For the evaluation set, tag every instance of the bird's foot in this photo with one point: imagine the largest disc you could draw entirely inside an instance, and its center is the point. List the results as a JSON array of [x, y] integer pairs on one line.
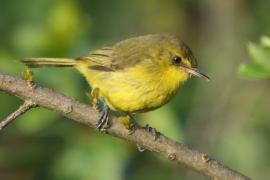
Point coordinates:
[[129, 122], [153, 131], [104, 121]]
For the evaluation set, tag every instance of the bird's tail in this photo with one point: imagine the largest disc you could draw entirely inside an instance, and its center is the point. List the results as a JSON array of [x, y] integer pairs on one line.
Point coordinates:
[[48, 62]]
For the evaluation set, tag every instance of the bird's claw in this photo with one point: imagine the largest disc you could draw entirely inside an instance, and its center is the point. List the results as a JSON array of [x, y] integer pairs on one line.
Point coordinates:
[[104, 121], [153, 131], [129, 122]]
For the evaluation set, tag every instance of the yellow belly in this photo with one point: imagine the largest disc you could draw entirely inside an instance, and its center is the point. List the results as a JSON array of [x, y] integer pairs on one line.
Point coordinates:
[[134, 96], [132, 90]]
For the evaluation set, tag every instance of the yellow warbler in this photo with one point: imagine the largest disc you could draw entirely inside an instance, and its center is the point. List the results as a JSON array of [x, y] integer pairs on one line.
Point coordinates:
[[135, 75]]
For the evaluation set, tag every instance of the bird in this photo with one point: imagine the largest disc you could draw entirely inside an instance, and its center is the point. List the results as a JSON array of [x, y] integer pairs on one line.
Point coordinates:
[[132, 76]]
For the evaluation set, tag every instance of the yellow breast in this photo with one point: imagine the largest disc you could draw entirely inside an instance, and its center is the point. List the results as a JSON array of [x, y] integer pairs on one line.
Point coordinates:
[[136, 89]]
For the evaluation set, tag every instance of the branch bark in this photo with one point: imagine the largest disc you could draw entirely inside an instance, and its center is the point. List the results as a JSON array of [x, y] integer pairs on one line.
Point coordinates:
[[87, 115]]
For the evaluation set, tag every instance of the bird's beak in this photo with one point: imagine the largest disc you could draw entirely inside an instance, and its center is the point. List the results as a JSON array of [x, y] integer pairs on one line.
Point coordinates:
[[197, 72]]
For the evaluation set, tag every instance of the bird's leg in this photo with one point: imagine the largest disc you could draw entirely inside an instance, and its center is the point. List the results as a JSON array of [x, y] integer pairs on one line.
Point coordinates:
[[104, 121], [94, 97], [152, 131], [129, 122]]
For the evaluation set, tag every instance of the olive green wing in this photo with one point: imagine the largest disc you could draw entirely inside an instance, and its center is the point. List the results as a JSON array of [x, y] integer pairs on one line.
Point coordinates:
[[122, 55], [100, 59]]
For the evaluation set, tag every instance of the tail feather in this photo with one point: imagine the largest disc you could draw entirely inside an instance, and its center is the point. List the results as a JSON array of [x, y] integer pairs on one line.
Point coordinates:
[[48, 62]]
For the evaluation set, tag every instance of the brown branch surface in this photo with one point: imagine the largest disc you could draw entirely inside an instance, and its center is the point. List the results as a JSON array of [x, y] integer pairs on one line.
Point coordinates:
[[87, 115]]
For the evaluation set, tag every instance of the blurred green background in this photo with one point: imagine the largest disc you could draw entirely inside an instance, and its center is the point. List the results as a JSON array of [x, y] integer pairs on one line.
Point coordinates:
[[228, 117]]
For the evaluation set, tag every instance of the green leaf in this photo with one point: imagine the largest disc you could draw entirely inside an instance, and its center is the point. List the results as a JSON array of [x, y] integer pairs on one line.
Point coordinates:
[[253, 70], [260, 55]]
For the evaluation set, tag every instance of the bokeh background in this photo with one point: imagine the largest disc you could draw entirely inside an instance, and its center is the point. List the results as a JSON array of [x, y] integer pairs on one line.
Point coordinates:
[[227, 117]]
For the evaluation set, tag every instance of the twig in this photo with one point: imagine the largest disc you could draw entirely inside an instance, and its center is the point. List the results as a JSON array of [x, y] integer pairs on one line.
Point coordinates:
[[27, 105], [85, 114]]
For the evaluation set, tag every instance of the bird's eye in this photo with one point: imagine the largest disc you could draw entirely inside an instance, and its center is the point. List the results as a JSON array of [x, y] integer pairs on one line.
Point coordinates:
[[176, 60]]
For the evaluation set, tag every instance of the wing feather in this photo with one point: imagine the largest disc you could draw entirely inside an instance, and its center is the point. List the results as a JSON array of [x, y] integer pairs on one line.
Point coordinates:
[[124, 54]]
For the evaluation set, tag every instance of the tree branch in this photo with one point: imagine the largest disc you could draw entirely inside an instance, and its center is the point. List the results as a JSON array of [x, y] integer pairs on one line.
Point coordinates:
[[87, 115], [27, 105]]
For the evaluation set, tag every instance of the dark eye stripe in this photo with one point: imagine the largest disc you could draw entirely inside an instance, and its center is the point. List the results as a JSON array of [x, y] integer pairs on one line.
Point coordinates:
[[176, 60]]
